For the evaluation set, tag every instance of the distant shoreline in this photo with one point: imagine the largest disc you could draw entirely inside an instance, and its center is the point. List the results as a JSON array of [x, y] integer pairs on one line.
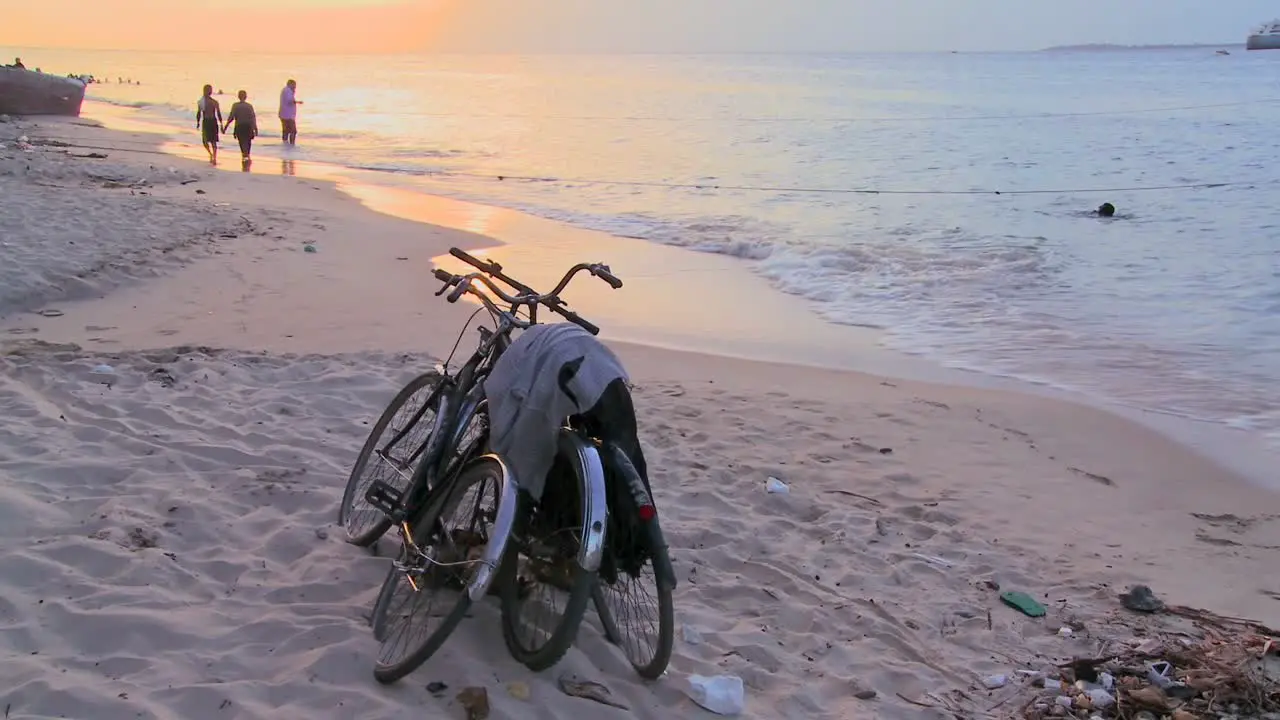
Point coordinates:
[[1095, 47]]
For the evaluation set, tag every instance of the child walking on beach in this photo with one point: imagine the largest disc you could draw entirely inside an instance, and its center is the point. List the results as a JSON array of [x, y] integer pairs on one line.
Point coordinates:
[[246, 125], [208, 118]]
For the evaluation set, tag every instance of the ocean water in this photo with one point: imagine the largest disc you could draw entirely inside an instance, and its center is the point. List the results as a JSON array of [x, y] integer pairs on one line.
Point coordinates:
[[1171, 306]]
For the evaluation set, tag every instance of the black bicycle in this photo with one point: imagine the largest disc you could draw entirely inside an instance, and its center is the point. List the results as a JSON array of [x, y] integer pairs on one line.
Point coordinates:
[[594, 535]]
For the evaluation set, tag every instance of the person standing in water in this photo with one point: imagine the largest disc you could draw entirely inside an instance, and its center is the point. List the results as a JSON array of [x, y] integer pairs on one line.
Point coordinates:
[[246, 125], [289, 103], [208, 120]]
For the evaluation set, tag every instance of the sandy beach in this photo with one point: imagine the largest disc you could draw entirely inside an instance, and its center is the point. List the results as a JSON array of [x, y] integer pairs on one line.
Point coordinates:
[[167, 522]]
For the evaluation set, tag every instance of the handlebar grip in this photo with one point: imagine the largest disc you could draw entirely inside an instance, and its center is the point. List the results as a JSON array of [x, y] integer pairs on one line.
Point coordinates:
[[578, 320], [470, 259], [459, 291], [613, 280], [443, 275]]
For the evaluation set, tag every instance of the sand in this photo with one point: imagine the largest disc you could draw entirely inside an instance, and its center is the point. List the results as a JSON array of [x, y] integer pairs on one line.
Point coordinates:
[[169, 547]]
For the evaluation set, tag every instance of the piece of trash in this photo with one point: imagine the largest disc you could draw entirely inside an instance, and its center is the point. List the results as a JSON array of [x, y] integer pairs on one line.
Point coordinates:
[[777, 487], [322, 534], [1158, 673], [103, 370], [518, 690], [1023, 602], [435, 688], [1052, 684], [200, 192], [995, 682], [1064, 701], [475, 700], [1107, 680], [1141, 599], [50, 312], [1100, 699], [594, 691], [886, 451], [173, 171], [1065, 631], [933, 560], [309, 248], [721, 694], [23, 139], [867, 694], [222, 204], [691, 634], [1147, 697], [1150, 648]]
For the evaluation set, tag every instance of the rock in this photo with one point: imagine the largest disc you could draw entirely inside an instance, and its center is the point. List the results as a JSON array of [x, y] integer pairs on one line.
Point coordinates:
[[865, 694], [475, 700], [1184, 715], [1141, 599]]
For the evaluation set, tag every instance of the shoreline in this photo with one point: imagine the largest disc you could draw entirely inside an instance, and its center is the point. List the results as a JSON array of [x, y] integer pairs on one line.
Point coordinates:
[[200, 484], [781, 328]]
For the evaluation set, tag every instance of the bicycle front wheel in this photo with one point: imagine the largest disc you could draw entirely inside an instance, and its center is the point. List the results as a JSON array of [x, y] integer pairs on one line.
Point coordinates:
[[425, 595], [389, 455]]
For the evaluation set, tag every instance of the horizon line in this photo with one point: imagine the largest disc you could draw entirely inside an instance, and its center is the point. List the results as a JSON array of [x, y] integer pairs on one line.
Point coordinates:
[[1082, 46]]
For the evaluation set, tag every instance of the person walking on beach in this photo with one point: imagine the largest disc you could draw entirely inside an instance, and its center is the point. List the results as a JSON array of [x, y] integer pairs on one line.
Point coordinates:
[[208, 119], [289, 103], [246, 125]]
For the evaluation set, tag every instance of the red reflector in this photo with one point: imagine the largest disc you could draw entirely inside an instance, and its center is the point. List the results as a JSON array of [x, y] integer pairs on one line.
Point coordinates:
[[648, 512]]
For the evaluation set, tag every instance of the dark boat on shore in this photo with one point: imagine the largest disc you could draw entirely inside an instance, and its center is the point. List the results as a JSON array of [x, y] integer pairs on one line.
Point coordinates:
[[24, 92]]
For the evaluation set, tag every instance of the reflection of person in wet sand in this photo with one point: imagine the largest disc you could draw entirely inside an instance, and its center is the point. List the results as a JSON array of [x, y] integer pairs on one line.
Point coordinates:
[[288, 168], [246, 125], [208, 119]]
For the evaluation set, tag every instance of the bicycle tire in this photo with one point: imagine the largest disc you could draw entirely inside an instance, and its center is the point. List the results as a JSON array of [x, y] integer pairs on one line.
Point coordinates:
[[665, 645], [385, 671], [624, 505], [353, 495], [539, 658]]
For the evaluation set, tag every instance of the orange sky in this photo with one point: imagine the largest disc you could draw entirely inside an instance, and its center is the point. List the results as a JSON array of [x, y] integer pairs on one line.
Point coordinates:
[[258, 25]]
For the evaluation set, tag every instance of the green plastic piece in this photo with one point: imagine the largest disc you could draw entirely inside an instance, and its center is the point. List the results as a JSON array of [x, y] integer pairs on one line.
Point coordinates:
[[1022, 602]]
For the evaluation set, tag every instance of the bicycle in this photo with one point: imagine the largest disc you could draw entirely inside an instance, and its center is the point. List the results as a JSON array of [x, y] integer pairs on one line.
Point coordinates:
[[445, 466]]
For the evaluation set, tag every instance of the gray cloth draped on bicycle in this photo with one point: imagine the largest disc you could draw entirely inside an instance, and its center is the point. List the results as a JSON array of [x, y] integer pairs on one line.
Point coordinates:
[[549, 373]]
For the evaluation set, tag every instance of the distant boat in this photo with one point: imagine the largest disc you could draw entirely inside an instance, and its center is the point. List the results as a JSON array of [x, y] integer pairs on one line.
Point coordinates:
[[1266, 37], [25, 92]]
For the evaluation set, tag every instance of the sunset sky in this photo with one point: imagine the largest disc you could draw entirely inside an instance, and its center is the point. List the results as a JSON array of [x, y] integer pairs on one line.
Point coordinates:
[[618, 25]]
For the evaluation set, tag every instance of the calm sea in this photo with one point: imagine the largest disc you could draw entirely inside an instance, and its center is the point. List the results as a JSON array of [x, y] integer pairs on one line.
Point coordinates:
[[1173, 305]]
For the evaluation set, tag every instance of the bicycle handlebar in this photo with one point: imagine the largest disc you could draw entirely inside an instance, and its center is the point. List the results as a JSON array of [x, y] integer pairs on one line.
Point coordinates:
[[527, 295]]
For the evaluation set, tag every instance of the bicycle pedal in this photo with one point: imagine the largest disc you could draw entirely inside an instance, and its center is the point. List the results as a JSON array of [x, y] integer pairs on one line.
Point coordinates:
[[384, 496]]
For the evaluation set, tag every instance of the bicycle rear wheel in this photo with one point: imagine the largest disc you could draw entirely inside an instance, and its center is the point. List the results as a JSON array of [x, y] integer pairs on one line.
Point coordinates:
[[389, 455], [545, 590], [427, 590], [633, 596]]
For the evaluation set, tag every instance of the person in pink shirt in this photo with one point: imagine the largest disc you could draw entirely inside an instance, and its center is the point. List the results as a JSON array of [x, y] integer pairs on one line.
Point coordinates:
[[289, 113]]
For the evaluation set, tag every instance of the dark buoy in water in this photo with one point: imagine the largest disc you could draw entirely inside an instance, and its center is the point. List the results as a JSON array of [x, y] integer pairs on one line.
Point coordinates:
[[1106, 210]]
